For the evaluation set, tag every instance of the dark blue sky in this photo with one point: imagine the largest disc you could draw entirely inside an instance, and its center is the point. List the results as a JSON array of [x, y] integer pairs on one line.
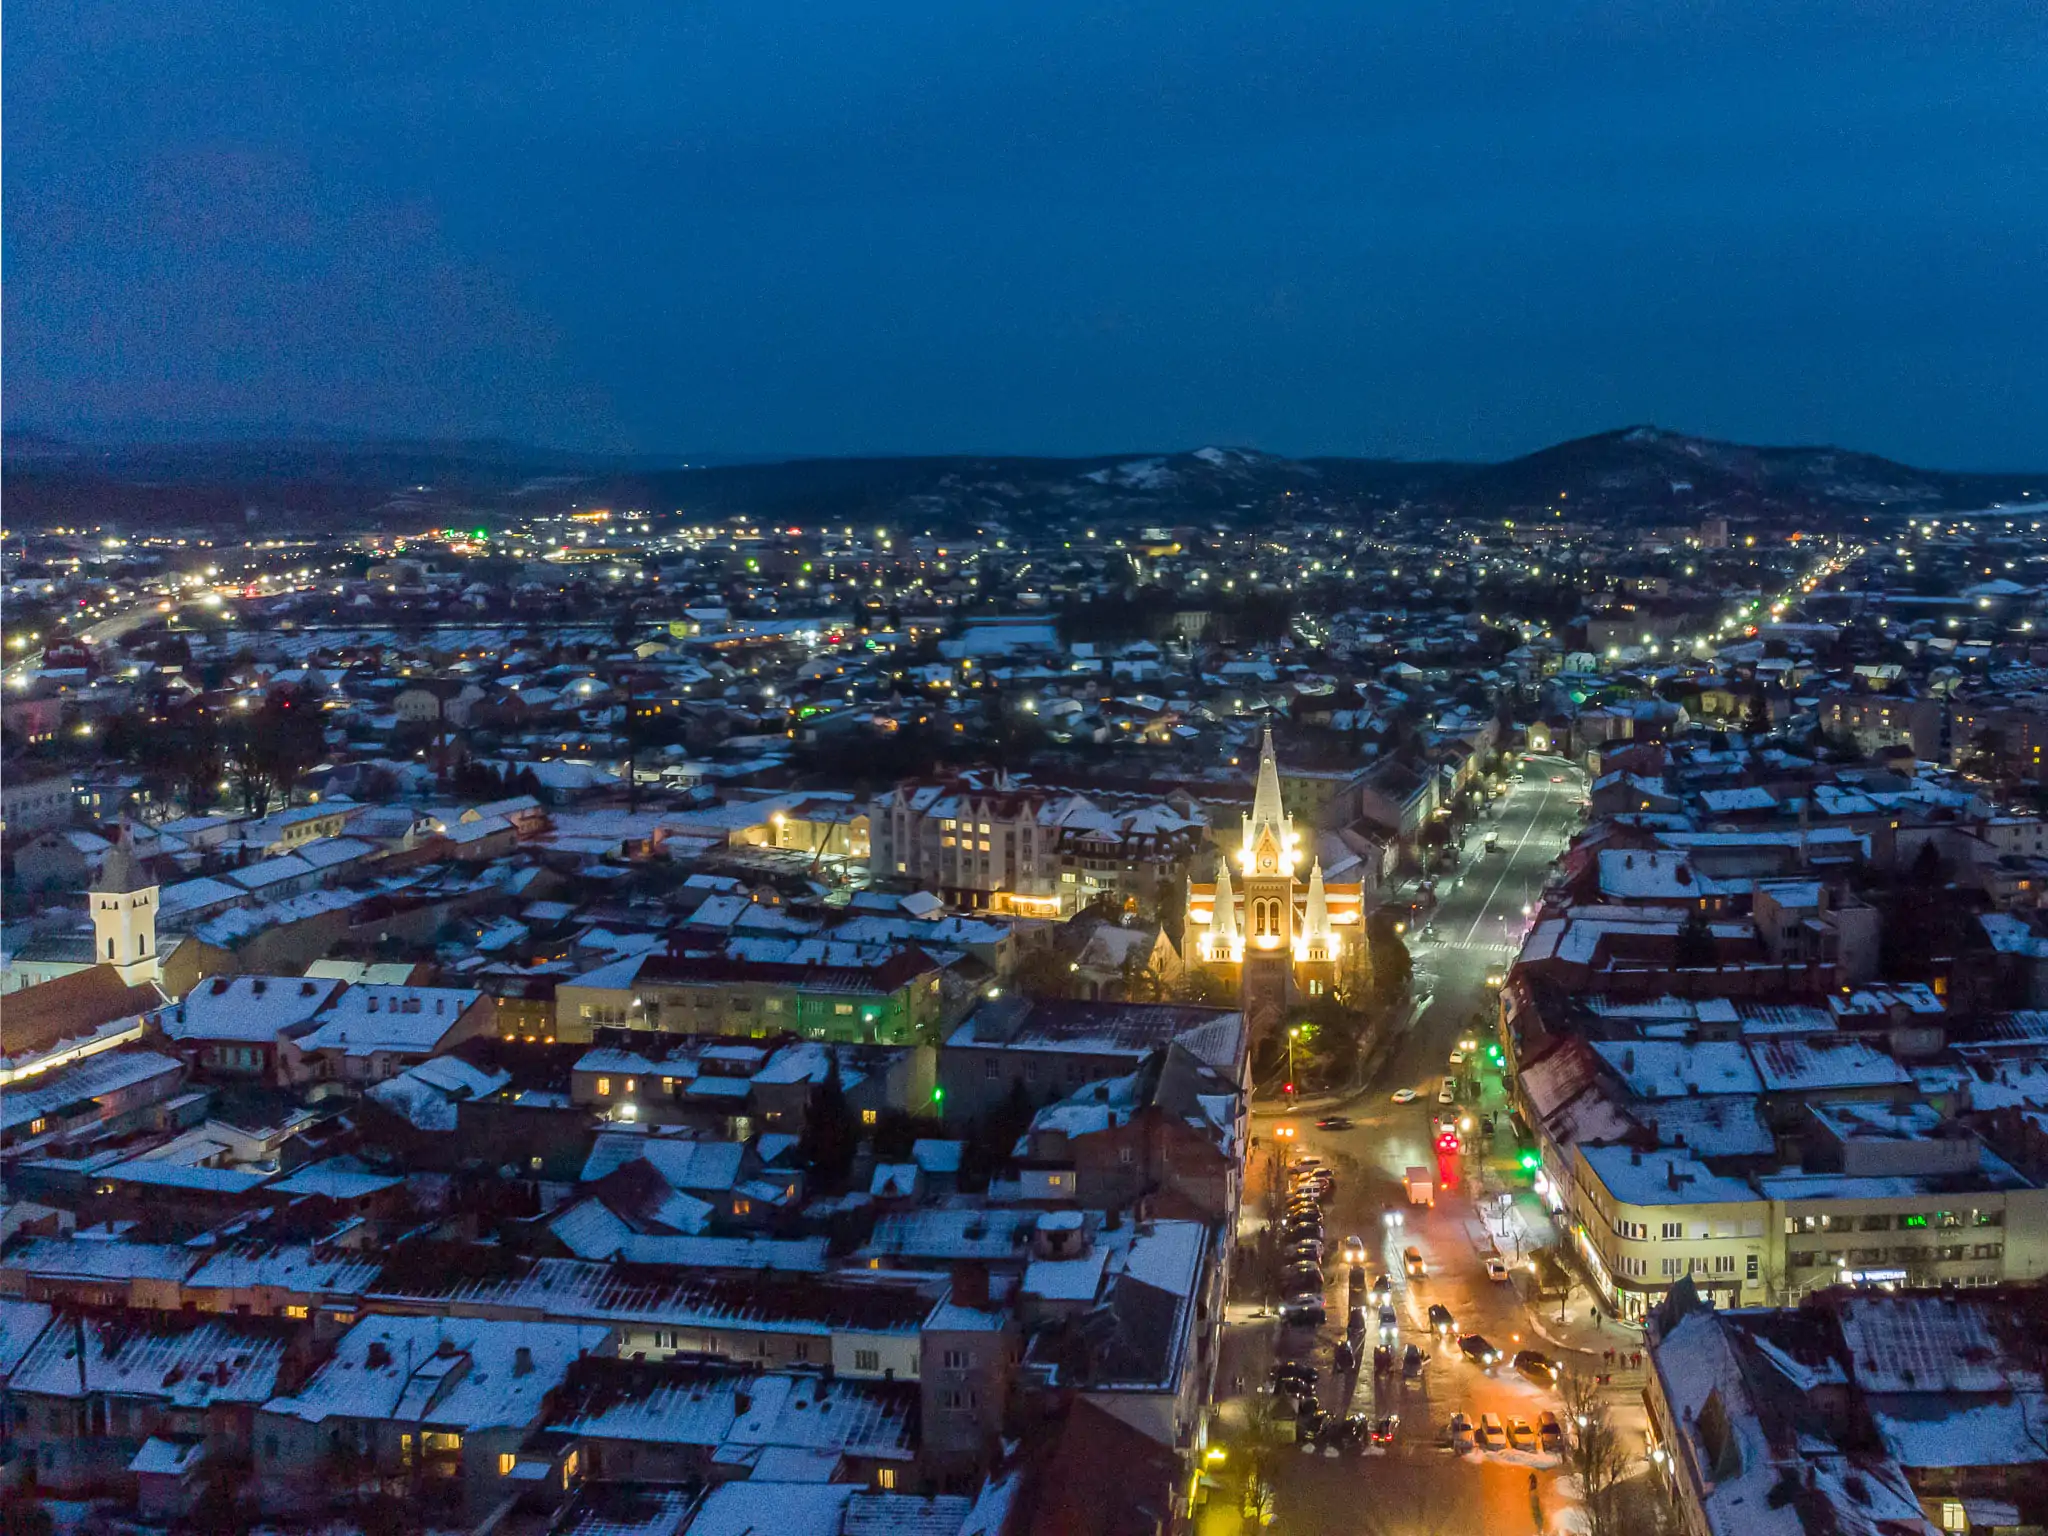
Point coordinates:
[[1441, 227]]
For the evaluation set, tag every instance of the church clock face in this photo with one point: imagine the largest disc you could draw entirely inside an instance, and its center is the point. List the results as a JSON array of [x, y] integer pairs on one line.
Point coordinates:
[[1267, 864]]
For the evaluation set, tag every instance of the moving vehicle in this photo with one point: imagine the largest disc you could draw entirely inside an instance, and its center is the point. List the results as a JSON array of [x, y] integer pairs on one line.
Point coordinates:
[[1475, 1348], [1421, 1186], [1492, 842], [1353, 1250], [1460, 1429], [1345, 1359], [1411, 1259], [1354, 1326], [1382, 1360], [1384, 1428], [1354, 1434], [1537, 1366], [1383, 1289], [1355, 1285], [1404, 1095], [1334, 1123], [1457, 1058], [1496, 1270], [1492, 1436], [1411, 1363], [1309, 1425], [1441, 1320], [1520, 1436], [1549, 1433], [1557, 778], [1447, 1092], [1390, 1324]]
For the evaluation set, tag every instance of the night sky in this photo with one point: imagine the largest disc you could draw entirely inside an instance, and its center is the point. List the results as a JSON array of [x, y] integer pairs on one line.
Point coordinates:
[[1436, 228]]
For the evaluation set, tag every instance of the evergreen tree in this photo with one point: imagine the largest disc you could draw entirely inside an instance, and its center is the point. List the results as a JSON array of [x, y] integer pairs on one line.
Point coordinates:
[[1695, 948], [830, 1136]]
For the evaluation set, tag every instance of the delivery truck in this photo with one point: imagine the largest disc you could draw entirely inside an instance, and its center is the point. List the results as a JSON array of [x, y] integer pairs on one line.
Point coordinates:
[[1421, 1187]]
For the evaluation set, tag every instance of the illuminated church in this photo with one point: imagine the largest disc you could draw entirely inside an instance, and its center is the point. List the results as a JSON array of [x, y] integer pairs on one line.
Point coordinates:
[[1261, 925]]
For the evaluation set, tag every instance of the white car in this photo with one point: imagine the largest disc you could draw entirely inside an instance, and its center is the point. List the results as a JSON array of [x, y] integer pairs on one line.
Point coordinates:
[[1496, 1271], [1457, 1058], [1404, 1095]]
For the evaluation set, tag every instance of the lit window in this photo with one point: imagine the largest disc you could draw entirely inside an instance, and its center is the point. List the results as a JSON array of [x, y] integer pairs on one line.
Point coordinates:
[[604, 1087], [885, 1479], [507, 1460], [868, 1117], [842, 1008]]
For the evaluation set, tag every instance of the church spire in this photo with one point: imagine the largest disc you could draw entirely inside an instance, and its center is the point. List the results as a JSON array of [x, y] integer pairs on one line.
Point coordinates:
[[1269, 846], [1266, 797]]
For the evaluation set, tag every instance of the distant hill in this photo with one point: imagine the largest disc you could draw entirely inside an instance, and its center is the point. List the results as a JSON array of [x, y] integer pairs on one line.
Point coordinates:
[[1636, 474]]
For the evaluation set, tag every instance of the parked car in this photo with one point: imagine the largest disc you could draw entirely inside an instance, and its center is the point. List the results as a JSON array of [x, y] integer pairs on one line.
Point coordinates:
[[1303, 1312], [1308, 1425], [1354, 1324], [1302, 1280], [1497, 1271], [1460, 1429], [1304, 1253], [1520, 1436], [1441, 1320], [1476, 1349], [1550, 1433], [1537, 1366], [1492, 1436], [1412, 1259], [1295, 1371]]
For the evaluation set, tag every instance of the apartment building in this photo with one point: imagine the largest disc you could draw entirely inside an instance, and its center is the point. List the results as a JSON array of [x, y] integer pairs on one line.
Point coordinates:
[[890, 997]]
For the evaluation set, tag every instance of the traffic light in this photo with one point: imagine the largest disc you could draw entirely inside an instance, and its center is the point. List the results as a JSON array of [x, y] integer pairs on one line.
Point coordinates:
[[1529, 1160], [1287, 1088]]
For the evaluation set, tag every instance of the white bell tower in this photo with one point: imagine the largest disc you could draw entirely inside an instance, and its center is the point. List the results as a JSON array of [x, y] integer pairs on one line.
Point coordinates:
[[124, 916]]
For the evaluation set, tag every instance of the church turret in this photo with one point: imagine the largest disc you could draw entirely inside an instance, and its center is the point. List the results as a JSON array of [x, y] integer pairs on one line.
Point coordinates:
[[1317, 942], [123, 902], [1223, 940]]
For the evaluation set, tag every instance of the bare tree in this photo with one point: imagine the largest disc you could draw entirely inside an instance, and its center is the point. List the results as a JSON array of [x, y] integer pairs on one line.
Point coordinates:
[[1594, 1452]]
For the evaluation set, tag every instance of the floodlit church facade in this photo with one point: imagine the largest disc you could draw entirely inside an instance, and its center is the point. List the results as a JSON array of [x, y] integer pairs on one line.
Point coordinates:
[[1276, 931]]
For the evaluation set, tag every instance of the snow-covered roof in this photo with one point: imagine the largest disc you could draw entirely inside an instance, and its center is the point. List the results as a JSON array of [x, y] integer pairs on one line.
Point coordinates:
[[454, 1373]]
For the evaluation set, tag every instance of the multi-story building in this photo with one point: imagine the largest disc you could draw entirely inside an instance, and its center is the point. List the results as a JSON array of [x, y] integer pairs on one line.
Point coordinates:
[[1030, 852], [889, 997]]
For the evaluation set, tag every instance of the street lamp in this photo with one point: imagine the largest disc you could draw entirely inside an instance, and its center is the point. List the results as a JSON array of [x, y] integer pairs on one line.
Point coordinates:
[[1293, 1034]]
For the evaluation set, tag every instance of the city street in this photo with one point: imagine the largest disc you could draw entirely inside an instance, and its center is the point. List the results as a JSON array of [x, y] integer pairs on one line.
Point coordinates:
[[1421, 1488]]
